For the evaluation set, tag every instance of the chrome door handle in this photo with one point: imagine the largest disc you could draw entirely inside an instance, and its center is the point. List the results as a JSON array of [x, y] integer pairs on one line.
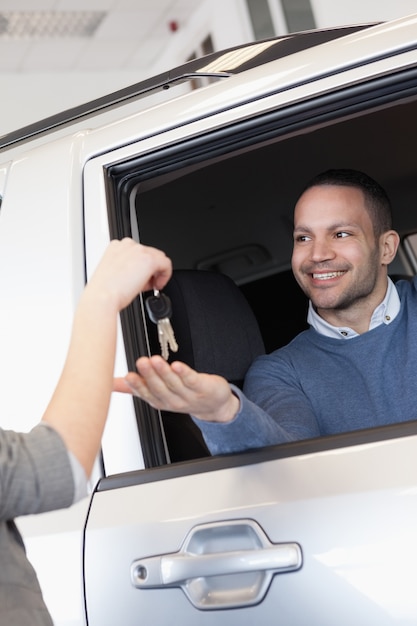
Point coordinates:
[[173, 569], [215, 578]]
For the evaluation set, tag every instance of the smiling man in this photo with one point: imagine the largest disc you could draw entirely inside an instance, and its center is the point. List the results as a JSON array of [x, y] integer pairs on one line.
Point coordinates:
[[343, 243], [354, 366]]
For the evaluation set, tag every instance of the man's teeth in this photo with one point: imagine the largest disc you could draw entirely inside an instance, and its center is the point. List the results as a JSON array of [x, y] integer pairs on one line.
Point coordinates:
[[327, 276]]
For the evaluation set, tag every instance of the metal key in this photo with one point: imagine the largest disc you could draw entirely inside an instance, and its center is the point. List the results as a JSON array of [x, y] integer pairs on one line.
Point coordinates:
[[160, 310]]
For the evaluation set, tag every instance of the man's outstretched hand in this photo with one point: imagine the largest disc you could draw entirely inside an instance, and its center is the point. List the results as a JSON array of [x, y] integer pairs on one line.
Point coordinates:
[[179, 388]]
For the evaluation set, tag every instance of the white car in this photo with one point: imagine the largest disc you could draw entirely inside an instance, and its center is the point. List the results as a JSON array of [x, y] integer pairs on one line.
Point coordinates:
[[318, 532]]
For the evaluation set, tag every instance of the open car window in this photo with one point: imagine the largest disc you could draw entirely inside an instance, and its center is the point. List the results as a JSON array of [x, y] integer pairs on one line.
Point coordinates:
[[223, 201]]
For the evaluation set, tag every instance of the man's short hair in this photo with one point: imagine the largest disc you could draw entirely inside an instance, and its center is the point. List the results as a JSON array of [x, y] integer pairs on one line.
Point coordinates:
[[377, 201]]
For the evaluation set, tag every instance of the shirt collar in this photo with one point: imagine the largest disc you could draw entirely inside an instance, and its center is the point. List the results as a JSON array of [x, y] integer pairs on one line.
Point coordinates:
[[384, 313]]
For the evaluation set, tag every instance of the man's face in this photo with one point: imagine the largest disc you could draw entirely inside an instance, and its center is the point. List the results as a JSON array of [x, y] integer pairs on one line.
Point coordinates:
[[335, 260]]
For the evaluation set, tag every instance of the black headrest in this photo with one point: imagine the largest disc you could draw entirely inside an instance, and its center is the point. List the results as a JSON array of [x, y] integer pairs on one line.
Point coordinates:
[[215, 327]]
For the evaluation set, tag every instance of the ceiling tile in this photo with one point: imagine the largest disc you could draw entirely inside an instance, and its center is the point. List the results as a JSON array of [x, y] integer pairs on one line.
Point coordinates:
[[47, 56], [133, 34], [12, 53], [104, 55], [126, 25]]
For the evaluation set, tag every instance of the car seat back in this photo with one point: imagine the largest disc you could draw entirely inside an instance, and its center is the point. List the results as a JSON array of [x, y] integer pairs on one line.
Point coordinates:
[[215, 327]]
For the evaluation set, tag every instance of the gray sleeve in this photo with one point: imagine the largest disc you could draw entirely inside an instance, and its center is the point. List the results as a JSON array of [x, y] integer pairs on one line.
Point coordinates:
[[35, 472]]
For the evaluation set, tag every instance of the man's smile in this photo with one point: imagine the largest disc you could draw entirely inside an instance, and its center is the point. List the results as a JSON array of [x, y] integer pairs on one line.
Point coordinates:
[[326, 275]]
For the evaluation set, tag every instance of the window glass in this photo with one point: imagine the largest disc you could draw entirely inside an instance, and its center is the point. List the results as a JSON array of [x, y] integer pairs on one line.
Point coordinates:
[[298, 14], [261, 19], [410, 245], [206, 47]]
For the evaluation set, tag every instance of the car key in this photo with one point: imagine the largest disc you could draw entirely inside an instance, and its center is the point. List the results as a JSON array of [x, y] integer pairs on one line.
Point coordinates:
[[160, 310]]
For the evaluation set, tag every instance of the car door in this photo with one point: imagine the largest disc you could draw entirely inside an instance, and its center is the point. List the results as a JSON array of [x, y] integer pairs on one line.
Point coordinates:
[[316, 532], [296, 535]]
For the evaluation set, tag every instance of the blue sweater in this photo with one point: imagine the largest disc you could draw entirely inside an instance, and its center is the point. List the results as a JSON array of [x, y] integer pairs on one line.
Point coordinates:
[[317, 385]]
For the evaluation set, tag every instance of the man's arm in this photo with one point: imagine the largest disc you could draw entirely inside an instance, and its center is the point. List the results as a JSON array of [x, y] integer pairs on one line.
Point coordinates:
[[228, 420], [273, 411]]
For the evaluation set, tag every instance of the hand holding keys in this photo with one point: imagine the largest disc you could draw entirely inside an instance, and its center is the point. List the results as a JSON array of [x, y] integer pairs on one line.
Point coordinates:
[[159, 310]]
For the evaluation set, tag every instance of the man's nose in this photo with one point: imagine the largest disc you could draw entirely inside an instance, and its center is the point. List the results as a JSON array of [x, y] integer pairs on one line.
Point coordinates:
[[321, 250]]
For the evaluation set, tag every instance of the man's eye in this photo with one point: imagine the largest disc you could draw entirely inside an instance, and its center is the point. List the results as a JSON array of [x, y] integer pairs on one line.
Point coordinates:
[[342, 234], [302, 238]]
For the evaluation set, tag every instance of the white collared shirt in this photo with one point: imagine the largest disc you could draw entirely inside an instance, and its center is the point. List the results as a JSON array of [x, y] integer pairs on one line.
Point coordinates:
[[383, 314]]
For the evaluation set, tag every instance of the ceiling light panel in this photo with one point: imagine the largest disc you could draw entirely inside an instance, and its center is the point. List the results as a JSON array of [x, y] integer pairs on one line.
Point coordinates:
[[49, 24]]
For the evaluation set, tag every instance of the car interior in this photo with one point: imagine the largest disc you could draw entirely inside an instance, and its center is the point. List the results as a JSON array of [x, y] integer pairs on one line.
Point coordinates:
[[222, 204]]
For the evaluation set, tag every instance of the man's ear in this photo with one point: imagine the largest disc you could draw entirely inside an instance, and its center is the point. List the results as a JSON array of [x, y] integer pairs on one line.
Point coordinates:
[[389, 245]]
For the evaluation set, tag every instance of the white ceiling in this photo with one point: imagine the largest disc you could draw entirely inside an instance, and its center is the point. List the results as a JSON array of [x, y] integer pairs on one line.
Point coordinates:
[[131, 35]]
